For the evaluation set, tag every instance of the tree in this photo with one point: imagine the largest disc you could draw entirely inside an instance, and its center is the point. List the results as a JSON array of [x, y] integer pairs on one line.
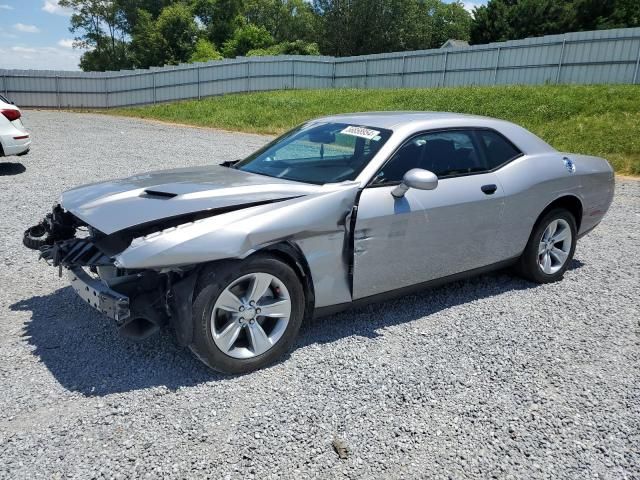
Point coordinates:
[[146, 44], [298, 47], [357, 27], [100, 29], [204, 52], [244, 39], [285, 20], [502, 20], [602, 14], [450, 20], [168, 40], [178, 33], [133, 9], [220, 18]]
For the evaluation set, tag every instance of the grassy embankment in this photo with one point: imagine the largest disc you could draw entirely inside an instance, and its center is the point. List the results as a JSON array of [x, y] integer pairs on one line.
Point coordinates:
[[596, 120]]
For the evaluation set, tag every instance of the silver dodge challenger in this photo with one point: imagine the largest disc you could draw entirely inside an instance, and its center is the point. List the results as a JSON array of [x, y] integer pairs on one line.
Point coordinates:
[[340, 211]]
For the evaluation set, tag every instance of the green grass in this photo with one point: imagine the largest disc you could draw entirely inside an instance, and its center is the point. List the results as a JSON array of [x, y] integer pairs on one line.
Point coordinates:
[[596, 120]]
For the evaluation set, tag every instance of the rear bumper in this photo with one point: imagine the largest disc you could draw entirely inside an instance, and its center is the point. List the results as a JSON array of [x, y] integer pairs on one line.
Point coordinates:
[[99, 296], [13, 146]]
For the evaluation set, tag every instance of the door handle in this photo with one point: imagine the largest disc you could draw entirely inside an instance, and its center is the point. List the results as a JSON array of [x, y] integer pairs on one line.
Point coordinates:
[[489, 189]]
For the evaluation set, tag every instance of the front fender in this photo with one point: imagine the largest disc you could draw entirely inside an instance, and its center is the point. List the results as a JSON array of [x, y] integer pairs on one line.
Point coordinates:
[[240, 233]]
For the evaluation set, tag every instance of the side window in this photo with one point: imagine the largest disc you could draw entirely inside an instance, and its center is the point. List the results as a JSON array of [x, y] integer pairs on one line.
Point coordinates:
[[497, 149], [444, 153]]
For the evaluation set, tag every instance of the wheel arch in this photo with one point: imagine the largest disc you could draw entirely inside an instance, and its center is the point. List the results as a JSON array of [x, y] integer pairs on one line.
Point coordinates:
[[289, 253], [571, 203]]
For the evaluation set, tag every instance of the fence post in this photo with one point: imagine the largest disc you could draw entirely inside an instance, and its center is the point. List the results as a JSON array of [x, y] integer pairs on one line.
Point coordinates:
[[293, 74], [153, 78], [564, 42], [404, 63], [248, 76], [635, 73], [58, 91], [366, 73], [106, 91], [444, 72], [333, 75], [4, 84], [198, 70], [495, 70]]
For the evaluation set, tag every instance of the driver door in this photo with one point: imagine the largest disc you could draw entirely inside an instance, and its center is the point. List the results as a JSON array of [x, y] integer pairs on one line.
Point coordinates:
[[428, 234]]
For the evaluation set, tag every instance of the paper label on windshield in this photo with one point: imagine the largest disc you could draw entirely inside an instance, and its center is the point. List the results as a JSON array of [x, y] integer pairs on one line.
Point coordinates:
[[360, 132]]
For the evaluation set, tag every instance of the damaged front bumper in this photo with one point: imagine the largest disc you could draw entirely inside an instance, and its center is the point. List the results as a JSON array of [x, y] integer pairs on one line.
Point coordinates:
[[139, 301], [93, 291]]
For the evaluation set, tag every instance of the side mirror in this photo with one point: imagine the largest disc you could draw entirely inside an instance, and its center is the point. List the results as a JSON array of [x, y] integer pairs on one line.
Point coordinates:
[[416, 178]]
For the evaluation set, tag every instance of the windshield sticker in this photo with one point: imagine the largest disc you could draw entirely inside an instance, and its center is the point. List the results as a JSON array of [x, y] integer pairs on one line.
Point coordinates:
[[361, 132]]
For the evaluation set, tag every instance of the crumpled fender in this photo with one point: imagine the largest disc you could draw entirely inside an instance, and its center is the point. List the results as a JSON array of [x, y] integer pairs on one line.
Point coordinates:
[[238, 234]]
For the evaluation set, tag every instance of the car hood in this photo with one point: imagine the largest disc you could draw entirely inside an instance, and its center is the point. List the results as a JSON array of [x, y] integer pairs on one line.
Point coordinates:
[[119, 204]]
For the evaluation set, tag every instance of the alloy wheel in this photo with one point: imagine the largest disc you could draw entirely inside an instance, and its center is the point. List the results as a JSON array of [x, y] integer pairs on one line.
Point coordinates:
[[250, 315], [555, 246]]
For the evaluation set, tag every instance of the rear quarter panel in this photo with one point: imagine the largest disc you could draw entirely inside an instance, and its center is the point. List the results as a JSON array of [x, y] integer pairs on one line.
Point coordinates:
[[531, 183]]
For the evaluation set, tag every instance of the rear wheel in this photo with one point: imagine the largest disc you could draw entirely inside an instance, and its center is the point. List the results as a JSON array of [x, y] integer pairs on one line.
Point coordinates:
[[550, 247], [246, 314]]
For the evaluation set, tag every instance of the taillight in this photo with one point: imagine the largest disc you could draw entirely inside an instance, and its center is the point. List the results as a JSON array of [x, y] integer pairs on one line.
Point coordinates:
[[11, 114]]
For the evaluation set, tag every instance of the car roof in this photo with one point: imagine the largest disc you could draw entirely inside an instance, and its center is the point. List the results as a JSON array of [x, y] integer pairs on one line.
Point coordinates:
[[412, 122], [392, 120]]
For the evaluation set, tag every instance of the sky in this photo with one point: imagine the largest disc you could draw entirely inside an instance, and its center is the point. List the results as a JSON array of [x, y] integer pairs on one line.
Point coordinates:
[[34, 34]]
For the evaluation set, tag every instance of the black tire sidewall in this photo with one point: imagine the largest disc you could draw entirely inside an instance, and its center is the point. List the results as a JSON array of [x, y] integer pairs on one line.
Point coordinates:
[[212, 282], [34, 242], [529, 266]]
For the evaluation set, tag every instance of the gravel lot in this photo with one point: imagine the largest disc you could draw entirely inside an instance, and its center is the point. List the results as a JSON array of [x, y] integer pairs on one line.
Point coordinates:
[[491, 377]]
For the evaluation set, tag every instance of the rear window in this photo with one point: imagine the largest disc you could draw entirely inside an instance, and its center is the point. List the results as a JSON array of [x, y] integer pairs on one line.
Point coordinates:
[[498, 149]]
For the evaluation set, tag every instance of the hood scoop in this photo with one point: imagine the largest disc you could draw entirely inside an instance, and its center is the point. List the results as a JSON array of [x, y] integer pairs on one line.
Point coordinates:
[[158, 194]]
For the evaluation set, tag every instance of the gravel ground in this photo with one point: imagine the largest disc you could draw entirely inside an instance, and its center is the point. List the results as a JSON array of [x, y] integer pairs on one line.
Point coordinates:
[[491, 377]]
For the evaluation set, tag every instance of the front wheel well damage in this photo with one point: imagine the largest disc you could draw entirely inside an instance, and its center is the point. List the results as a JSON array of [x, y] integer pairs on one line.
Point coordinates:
[[291, 254], [182, 291]]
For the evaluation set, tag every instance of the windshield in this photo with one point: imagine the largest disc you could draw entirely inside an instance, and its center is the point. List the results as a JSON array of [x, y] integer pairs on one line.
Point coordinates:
[[318, 153]]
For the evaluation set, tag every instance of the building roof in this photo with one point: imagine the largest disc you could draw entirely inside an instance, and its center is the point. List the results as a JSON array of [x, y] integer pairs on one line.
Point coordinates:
[[453, 43]]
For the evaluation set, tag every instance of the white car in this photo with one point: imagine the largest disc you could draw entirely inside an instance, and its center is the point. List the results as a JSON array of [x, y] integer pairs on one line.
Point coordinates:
[[14, 137]]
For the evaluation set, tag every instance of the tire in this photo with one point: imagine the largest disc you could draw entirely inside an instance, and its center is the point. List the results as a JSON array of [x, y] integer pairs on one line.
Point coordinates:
[[35, 237], [253, 327], [532, 264]]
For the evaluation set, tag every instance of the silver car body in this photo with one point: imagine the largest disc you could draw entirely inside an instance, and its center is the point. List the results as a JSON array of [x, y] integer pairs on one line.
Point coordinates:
[[358, 241]]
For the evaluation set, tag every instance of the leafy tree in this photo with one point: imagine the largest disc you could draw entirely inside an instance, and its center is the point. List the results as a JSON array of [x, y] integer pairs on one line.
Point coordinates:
[[244, 39], [167, 40], [178, 33], [285, 20], [133, 9], [146, 44], [356, 27], [143, 33], [602, 14], [298, 47], [501, 20], [450, 20], [204, 52], [220, 18], [100, 28]]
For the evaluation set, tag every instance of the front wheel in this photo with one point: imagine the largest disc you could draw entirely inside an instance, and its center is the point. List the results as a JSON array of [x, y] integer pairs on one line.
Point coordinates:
[[550, 247], [246, 314]]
